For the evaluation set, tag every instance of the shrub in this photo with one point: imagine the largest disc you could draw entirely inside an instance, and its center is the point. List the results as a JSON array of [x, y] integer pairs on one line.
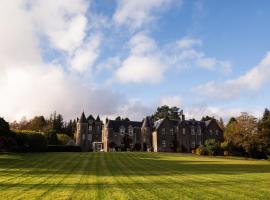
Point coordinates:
[[201, 150], [63, 139], [7, 143], [212, 146], [30, 141]]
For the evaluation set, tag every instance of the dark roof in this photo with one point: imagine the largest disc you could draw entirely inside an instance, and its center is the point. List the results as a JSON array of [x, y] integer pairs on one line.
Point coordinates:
[[158, 123], [147, 122], [90, 117], [83, 118], [116, 124], [98, 119]]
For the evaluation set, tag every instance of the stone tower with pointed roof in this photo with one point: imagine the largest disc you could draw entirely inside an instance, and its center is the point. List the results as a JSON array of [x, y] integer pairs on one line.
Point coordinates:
[[82, 133], [146, 134]]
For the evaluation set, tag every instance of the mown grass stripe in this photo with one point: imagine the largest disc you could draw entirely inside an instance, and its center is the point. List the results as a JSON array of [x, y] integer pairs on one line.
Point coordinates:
[[78, 192], [52, 175], [34, 177]]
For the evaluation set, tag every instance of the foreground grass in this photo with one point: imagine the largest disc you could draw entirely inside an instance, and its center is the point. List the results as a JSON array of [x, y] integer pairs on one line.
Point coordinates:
[[131, 176]]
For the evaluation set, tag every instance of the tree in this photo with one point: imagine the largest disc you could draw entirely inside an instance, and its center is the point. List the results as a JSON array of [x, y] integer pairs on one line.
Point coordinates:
[[38, 123], [4, 126], [266, 115], [244, 136], [212, 146], [118, 118], [206, 118], [166, 111]]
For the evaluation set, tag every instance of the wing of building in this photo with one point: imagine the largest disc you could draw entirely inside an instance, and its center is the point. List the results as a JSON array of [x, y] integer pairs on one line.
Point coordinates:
[[164, 135]]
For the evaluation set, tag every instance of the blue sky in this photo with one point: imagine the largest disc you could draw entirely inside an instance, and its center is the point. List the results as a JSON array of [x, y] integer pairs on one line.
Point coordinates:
[[126, 57]]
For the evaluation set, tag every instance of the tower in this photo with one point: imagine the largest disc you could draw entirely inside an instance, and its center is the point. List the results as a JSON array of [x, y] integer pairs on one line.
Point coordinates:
[[146, 131], [82, 133]]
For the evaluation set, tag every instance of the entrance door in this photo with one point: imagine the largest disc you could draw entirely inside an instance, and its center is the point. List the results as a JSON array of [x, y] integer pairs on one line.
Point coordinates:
[[144, 147]]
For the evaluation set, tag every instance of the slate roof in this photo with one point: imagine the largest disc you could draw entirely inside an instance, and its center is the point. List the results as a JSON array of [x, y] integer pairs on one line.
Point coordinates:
[[116, 124], [90, 117], [83, 118], [98, 119], [158, 123]]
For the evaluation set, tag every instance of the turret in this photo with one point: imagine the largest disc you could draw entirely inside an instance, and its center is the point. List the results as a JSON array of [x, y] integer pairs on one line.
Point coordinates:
[[82, 133]]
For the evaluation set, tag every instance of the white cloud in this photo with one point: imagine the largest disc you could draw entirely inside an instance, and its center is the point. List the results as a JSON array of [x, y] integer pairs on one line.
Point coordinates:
[[184, 54], [187, 43], [86, 55], [250, 81], [136, 13], [30, 86], [62, 21], [171, 101], [144, 64]]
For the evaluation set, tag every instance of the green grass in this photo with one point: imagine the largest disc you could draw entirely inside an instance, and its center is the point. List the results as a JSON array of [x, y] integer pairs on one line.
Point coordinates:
[[131, 176]]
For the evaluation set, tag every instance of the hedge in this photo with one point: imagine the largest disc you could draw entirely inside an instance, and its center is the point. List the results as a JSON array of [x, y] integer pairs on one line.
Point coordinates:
[[63, 148]]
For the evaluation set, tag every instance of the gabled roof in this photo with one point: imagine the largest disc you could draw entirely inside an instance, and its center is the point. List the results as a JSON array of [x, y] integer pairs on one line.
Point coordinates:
[[83, 118], [98, 119], [158, 123], [90, 117], [116, 124], [147, 122]]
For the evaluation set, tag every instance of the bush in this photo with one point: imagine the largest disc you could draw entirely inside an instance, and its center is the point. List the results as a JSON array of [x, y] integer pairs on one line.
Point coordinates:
[[212, 147], [63, 139], [7, 144], [30, 141], [201, 150], [63, 148]]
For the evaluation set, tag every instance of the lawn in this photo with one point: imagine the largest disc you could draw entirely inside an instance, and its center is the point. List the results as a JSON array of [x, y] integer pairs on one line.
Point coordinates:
[[131, 176]]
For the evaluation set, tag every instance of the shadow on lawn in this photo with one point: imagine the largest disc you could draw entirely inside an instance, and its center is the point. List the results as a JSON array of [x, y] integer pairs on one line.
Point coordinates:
[[142, 164]]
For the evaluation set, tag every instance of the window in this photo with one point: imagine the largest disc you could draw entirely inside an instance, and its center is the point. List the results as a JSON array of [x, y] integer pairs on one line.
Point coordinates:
[[171, 131], [210, 131], [200, 143], [122, 130], [83, 137], [89, 137], [192, 130], [199, 130], [163, 131], [184, 131], [97, 128], [217, 132], [130, 130], [164, 143], [193, 144], [90, 128]]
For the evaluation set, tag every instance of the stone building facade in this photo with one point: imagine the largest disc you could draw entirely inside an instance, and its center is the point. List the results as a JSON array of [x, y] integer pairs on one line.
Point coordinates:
[[164, 135], [89, 133]]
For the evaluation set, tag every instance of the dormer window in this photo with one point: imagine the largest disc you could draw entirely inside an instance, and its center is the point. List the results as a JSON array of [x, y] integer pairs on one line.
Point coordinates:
[[130, 130], [90, 128], [122, 130]]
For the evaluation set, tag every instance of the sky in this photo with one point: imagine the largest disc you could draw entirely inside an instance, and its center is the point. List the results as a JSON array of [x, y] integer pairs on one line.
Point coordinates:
[[126, 57]]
